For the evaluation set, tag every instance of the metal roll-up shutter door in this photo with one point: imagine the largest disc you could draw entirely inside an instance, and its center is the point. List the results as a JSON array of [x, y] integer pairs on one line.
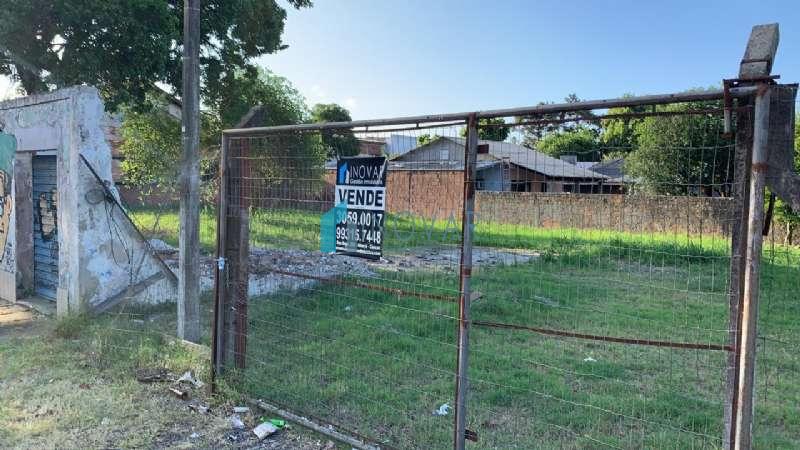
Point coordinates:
[[45, 226]]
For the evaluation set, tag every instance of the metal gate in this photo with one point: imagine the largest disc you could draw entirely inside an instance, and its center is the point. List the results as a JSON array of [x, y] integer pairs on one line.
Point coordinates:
[[45, 226]]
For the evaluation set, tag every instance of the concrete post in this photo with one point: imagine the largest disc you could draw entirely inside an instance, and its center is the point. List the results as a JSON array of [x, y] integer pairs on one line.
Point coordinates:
[[189, 240]]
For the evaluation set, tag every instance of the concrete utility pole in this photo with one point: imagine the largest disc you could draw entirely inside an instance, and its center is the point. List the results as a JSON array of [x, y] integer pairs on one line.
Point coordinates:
[[189, 277]]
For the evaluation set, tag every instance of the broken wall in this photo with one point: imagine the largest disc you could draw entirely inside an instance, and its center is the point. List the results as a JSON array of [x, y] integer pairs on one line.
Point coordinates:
[[93, 230]]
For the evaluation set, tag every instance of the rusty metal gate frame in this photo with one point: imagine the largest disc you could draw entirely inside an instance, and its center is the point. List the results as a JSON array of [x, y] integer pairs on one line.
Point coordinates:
[[229, 337]]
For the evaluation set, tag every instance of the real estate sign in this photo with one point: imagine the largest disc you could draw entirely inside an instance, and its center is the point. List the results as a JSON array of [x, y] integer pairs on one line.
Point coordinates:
[[361, 192]]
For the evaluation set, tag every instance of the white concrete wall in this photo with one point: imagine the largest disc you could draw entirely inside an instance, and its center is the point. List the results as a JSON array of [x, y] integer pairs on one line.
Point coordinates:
[[71, 122]]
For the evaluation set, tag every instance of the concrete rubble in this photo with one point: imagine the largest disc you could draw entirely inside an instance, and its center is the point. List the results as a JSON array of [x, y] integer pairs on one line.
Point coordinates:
[[315, 265]]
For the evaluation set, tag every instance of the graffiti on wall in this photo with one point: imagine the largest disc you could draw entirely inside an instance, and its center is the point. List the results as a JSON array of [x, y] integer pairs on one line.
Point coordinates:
[[47, 214], [8, 148]]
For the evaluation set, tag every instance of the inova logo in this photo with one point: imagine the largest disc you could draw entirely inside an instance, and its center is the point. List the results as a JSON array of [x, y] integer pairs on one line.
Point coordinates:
[[342, 176]]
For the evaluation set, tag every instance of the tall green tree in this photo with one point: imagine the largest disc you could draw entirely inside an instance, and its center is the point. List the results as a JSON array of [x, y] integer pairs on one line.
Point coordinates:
[[340, 142], [581, 141], [488, 130], [124, 46], [152, 141], [552, 122], [682, 154], [618, 135], [784, 214]]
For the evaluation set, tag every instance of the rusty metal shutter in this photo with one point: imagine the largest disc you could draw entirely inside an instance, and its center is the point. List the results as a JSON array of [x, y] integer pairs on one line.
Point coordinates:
[[45, 226]]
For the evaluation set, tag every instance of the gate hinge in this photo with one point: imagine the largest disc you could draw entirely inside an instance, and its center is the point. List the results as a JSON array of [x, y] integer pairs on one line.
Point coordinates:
[[471, 435]]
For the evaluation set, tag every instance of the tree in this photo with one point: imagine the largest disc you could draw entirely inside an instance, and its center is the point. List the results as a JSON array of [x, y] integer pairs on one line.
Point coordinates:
[[489, 131], [282, 103], [426, 138], [152, 140], [784, 214], [581, 141], [566, 121], [125, 46], [618, 135], [683, 154], [340, 142]]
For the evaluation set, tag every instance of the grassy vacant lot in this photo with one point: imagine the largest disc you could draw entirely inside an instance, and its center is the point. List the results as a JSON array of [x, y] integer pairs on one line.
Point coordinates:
[[381, 363], [72, 385]]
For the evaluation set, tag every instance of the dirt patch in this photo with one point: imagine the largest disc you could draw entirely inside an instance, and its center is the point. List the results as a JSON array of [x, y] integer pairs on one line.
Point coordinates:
[[16, 320], [271, 269], [448, 258]]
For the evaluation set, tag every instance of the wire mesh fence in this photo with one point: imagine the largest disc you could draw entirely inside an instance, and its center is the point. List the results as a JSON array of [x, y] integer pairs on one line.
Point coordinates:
[[598, 290], [777, 392], [137, 322], [366, 344], [612, 309]]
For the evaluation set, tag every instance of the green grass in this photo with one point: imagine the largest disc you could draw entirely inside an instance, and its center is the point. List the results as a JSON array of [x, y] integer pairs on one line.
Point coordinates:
[[381, 363], [71, 384], [300, 229]]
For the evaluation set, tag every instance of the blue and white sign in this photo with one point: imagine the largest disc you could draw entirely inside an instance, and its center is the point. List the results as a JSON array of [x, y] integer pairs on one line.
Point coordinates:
[[361, 189]]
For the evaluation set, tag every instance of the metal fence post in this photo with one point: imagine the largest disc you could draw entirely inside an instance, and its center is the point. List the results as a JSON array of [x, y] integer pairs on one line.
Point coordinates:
[[239, 256], [743, 433], [467, 226], [741, 195], [220, 275]]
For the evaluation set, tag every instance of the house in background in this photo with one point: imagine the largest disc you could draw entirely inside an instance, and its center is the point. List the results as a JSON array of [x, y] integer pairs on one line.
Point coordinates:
[[371, 147], [503, 166], [392, 146], [614, 169]]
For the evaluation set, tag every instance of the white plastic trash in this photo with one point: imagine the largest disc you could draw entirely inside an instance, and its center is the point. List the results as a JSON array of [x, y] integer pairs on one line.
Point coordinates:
[[264, 430], [442, 411]]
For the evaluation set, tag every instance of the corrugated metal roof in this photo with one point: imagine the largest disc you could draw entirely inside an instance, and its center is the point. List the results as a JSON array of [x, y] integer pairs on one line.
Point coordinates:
[[533, 160], [614, 169], [513, 153]]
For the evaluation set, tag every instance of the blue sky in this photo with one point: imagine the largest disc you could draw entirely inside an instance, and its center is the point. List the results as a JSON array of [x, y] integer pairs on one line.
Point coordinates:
[[384, 58]]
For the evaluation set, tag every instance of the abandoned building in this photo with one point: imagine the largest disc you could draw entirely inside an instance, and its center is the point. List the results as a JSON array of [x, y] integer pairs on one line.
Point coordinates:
[[65, 234], [504, 166]]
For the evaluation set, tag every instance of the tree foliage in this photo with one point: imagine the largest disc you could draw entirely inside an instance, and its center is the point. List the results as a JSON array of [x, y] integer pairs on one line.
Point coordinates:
[[489, 131], [783, 212], [426, 138], [124, 46], [152, 139], [683, 154], [282, 103], [581, 141], [564, 121], [339, 142], [619, 135]]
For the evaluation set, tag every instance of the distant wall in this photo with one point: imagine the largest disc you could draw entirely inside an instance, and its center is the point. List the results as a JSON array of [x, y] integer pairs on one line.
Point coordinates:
[[439, 194], [631, 213], [634, 213], [427, 193]]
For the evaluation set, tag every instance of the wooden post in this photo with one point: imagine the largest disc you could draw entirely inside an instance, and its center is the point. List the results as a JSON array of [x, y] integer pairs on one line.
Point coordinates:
[[240, 258], [235, 280], [189, 239], [218, 346]]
